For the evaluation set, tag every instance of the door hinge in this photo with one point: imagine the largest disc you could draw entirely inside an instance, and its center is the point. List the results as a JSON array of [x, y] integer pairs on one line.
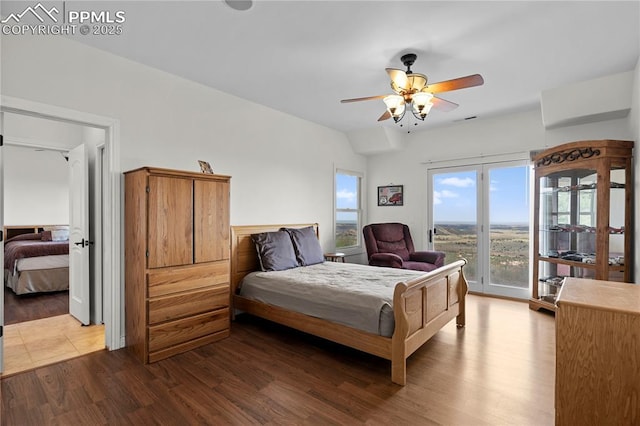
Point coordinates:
[[1, 331], [147, 253], [1, 140], [148, 190], [1, 236]]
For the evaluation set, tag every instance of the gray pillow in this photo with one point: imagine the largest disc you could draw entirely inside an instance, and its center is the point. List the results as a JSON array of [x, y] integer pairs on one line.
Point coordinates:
[[275, 251], [306, 245]]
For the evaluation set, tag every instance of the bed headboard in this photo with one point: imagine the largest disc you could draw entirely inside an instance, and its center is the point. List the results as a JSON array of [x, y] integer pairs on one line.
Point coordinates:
[[244, 258], [13, 230]]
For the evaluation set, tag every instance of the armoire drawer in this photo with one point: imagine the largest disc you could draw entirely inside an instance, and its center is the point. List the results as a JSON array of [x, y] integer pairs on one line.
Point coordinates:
[[167, 334], [189, 303], [172, 280]]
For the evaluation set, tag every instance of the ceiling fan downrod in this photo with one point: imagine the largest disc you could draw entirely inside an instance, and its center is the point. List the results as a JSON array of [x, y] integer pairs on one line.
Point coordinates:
[[408, 60]]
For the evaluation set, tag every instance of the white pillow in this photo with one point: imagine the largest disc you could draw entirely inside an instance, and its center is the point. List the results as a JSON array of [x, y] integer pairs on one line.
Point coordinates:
[[59, 234]]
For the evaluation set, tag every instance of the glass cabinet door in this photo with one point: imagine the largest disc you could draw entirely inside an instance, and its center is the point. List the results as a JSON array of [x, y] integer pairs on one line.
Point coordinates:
[[617, 231], [567, 229]]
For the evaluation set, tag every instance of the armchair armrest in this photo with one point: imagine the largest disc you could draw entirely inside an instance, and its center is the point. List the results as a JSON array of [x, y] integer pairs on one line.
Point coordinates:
[[433, 257], [389, 260]]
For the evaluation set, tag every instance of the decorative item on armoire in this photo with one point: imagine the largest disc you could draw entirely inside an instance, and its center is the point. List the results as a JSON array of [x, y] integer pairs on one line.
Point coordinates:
[[205, 167]]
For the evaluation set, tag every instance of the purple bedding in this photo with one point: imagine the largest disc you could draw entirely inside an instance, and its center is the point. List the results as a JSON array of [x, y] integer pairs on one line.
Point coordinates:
[[33, 246]]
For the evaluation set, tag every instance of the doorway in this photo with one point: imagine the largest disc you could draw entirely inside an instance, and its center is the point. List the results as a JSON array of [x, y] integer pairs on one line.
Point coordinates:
[[482, 213], [42, 311], [111, 239]]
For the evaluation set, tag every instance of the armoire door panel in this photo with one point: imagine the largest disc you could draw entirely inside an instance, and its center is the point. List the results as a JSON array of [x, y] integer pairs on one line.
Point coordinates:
[[170, 240], [211, 221]]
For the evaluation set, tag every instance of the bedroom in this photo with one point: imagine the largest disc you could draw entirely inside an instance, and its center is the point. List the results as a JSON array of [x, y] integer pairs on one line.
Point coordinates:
[[186, 121]]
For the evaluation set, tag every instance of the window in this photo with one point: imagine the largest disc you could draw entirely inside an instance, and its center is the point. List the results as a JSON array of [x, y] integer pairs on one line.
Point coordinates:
[[348, 204]]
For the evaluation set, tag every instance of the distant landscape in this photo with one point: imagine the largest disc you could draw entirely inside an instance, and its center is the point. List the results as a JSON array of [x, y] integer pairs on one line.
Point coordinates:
[[346, 234], [509, 251]]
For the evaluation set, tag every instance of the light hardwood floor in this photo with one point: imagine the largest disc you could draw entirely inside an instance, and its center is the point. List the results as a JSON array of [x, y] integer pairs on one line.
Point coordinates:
[[498, 370], [32, 344]]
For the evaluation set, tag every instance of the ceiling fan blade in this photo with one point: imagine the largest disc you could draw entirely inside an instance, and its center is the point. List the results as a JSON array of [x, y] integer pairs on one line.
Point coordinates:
[[368, 98], [455, 84], [399, 79], [385, 116], [443, 105]]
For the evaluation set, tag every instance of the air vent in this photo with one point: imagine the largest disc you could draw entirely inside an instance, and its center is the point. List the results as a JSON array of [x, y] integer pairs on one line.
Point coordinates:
[[473, 117]]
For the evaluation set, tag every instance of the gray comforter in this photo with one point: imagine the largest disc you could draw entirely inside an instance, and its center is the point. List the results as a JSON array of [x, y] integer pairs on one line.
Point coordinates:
[[359, 296]]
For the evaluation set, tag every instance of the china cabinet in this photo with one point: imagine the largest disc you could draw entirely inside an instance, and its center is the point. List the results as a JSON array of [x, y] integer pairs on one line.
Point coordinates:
[[582, 216]]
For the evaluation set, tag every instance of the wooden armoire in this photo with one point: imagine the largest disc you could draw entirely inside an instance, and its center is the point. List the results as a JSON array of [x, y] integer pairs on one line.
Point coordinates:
[[176, 261]]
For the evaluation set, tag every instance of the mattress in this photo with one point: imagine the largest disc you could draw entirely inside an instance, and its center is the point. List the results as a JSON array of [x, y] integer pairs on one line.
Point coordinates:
[[38, 280], [39, 274], [358, 296], [43, 262]]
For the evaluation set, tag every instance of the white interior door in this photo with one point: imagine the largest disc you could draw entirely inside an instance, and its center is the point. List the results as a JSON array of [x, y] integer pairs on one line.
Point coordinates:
[[1, 244], [79, 243]]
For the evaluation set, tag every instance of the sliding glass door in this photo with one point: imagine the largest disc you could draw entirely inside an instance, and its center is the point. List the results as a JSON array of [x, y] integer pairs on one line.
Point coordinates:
[[481, 213], [454, 220]]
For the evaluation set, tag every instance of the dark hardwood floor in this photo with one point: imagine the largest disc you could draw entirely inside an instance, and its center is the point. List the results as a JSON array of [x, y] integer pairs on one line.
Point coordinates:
[[499, 369], [30, 307]]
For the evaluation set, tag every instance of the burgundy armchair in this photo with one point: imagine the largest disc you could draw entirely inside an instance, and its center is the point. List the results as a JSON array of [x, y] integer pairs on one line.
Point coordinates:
[[390, 245]]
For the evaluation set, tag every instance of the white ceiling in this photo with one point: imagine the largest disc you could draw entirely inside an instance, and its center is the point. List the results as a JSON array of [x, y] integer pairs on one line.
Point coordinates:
[[302, 57]]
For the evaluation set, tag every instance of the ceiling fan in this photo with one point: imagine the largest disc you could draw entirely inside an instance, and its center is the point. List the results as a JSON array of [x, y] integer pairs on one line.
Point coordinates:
[[412, 91]]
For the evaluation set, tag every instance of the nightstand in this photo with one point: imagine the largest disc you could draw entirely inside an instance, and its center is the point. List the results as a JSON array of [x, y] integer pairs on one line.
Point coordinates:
[[334, 257]]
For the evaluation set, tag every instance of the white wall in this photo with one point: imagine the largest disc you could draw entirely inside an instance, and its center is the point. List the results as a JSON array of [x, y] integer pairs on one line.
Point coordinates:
[[281, 166], [36, 187], [34, 131], [515, 133], [36, 182]]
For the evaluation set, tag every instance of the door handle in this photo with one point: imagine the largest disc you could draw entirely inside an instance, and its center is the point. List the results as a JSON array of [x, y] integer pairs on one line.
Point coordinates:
[[84, 243]]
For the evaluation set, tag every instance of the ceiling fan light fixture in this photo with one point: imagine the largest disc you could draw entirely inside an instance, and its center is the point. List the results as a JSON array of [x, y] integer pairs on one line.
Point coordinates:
[[413, 93], [395, 105], [421, 104], [417, 82]]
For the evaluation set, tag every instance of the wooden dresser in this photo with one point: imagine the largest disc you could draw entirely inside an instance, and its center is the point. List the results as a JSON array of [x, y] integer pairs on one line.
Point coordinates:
[[176, 261], [597, 353]]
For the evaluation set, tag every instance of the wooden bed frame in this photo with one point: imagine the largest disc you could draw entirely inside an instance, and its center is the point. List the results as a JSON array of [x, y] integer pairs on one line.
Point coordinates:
[[421, 306]]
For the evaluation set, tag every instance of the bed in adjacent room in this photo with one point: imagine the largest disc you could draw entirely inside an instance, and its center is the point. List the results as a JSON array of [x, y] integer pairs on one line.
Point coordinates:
[[383, 311], [37, 262]]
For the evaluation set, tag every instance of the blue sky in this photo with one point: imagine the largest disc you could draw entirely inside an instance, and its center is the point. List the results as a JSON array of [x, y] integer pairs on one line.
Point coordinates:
[[346, 191], [454, 196], [346, 196]]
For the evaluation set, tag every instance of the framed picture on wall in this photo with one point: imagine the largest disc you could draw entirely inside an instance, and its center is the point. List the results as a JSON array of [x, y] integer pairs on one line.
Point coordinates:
[[391, 195]]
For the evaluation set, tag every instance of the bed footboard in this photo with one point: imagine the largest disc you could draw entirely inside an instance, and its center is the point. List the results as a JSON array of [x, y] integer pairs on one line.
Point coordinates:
[[421, 308]]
